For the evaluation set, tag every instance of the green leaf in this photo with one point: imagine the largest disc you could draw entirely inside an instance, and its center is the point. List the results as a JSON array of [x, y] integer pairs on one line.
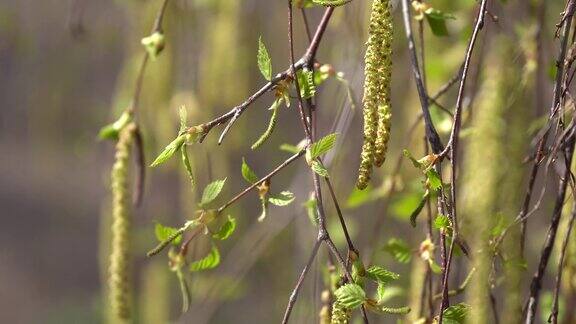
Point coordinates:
[[282, 199], [164, 232], [212, 191], [418, 209], [350, 296], [442, 222], [437, 21], [311, 206], [456, 314], [319, 169], [187, 165], [264, 62], [399, 250], [381, 275], [323, 145], [415, 162], [306, 83], [434, 266], [226, 229], [211, 261], [111, 131], [385, 293], [247, 173], [183, 114], [434, 179], [169, 150]]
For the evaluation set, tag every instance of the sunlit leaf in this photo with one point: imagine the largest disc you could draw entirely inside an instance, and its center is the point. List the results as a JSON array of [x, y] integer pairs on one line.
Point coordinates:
[[212, 260], [264, 62], [226, 229], [212, 191], [350, 296], [282, 199], [399, 250], [247, 173]]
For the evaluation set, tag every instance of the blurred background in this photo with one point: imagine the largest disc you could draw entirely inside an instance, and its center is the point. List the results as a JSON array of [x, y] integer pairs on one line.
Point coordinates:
[[69, 67]]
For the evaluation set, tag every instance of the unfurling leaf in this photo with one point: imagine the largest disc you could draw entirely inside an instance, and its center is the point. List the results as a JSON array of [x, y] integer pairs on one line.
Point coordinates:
[[399, 250], [381, 275], [442, 222], [418, 209], [226, 229], [164, 232], [212, 191], [323, 145], [169, 150], [264, 62], [264, 203], [456, 314], [247, 173], [434, 179], [319, 169], [282, 199], [306, 83], [350, 296], [211, 261]]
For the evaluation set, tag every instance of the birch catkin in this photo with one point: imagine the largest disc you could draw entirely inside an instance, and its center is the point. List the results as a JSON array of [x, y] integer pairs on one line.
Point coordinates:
[[119, 286], [376, 100]]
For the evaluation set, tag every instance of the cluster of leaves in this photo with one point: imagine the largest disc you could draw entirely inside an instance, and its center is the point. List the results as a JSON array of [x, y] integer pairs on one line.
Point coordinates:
[[351, 296], [205, 220]]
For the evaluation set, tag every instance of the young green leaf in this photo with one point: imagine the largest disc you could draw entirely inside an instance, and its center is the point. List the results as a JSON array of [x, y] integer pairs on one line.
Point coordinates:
[[415, 162], [264, 62], [282, 199], [311, 206], [319, 169], [442, 222], [381, 275], [212, 191], [350, 296], [226, 229], [434, 179], [211, 261], [418, 209], [456, 314], [399, 250], [434, 266], [169, 150], [187, 165], [323, 145], [306, 83], [164, 232], [395, 310], [437, 21], [247, 173]]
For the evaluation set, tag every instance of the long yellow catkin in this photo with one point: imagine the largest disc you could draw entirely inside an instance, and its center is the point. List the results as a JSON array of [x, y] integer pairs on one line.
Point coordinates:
[[119, 285], [340, 315], [376, 100]]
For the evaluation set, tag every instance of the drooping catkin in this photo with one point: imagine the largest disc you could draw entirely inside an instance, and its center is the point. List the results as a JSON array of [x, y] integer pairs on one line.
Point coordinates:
[[376, 100], [118, 280]]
